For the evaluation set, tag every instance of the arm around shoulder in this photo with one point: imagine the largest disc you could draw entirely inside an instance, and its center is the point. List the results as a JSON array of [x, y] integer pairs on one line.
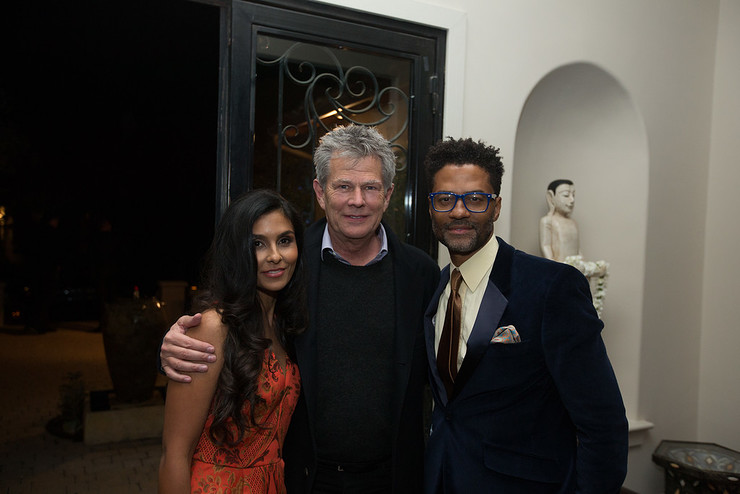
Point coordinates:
[[181, 353]]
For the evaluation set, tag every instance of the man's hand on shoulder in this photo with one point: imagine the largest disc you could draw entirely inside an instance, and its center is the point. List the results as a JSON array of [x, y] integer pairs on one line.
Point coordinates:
[[180, 353]]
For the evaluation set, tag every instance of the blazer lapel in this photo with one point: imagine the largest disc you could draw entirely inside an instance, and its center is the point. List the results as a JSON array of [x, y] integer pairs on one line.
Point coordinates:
[[429, 322], [492, 307], [305, 344], [408, 293]]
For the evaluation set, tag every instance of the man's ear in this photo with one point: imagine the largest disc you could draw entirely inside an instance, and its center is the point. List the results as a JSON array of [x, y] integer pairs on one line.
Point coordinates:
[[319, 191], [496, 208], [388, 194]]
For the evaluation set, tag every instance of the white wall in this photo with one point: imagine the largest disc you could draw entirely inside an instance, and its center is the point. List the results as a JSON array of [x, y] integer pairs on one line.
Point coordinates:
[[579, 123], [719, 386], [663, 54]]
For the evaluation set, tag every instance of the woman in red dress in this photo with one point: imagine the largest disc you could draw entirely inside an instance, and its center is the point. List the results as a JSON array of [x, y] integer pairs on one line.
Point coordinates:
[[224, 431]]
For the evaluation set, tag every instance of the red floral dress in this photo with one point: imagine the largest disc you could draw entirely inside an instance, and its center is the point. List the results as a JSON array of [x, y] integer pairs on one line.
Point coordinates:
[[255, 465]]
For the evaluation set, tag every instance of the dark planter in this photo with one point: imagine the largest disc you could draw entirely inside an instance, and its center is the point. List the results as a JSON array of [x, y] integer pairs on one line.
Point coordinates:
[[132, 331]]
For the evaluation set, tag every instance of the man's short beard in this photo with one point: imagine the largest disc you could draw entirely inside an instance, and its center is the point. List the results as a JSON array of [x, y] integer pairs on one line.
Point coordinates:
[[482, 235]]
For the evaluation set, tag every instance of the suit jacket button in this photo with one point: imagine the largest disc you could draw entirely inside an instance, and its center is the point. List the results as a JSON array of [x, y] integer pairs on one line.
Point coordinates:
[[448, 416], [305, 471]]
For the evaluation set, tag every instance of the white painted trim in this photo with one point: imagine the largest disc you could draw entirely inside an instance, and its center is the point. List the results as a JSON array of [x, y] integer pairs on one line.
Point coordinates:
[[640, 425], [638, 431], [455, 22]]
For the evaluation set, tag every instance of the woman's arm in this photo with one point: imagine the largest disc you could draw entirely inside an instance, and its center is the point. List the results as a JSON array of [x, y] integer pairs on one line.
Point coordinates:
[[186, 409]]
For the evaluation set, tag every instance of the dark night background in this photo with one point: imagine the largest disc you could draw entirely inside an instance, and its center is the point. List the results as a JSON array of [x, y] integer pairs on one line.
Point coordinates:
[[108, 128]]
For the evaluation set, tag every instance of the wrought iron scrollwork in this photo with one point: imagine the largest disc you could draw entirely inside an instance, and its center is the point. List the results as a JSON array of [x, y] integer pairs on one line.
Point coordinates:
[[349, 94]]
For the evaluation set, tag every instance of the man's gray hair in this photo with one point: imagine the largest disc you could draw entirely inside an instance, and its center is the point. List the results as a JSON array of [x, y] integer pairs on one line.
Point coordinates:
[[354, 142]]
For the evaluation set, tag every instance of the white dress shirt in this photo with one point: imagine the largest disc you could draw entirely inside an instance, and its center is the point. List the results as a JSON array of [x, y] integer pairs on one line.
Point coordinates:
[[475, 273]]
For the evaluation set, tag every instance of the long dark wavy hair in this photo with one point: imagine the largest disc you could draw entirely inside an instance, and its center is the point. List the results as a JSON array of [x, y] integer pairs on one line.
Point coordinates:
[[229, 285]]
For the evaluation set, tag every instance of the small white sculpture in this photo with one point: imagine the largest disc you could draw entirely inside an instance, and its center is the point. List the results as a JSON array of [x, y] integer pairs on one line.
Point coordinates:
[[559, 239]]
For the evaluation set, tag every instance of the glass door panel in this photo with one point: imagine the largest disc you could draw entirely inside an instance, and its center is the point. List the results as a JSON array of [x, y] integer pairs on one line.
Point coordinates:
[[302, 91], [293, 70]]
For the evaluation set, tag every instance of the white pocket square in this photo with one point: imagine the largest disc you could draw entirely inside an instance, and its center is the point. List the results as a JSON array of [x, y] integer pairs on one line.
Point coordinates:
[[506, 334]]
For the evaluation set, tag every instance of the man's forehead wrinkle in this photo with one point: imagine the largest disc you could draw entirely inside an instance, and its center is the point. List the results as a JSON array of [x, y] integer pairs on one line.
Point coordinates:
[[345, 180]]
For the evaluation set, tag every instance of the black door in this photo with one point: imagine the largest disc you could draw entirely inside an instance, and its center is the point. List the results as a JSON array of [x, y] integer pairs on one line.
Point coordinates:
[[293, 70]]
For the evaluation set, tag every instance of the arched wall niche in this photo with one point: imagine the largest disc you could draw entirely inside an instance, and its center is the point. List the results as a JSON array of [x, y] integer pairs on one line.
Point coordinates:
[[580, 123]]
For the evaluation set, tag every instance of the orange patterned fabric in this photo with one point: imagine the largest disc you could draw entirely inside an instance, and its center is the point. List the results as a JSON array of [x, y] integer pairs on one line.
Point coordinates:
[[255, 465]]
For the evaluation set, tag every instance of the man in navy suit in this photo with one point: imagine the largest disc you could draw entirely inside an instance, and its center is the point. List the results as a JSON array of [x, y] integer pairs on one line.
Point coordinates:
[[528, 401]]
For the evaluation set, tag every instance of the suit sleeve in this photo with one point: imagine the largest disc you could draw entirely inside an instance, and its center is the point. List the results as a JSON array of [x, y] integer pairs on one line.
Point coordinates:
[[577, 360]]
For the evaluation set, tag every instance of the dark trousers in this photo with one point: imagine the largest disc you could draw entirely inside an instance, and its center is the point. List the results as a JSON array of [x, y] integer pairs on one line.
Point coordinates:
[[332, 478]]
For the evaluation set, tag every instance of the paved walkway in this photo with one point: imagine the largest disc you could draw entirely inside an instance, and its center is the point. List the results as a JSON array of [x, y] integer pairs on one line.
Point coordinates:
[[34, 461]]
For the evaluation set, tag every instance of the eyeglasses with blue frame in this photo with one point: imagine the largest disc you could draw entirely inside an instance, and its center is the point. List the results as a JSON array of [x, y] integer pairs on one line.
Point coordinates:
[[475, 202]]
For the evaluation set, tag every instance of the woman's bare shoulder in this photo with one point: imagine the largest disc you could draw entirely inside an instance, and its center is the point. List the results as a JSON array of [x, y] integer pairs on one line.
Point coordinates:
[[211, 327]]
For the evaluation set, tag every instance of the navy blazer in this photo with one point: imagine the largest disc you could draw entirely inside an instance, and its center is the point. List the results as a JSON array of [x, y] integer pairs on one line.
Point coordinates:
[[415, 275], [541, 416]]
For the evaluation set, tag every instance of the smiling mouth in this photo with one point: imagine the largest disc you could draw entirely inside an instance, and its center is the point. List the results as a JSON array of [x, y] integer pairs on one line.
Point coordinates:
[[274, 273], [459, 228]]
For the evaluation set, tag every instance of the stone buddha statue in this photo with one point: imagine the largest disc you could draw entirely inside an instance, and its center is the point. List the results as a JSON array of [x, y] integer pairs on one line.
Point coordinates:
[[559, 238]]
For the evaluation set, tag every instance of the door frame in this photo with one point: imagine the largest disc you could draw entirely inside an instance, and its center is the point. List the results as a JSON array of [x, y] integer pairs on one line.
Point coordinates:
[[237, 112]]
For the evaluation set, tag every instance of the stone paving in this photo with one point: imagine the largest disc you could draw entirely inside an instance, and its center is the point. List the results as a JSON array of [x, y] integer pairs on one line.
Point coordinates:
[[34, 461]]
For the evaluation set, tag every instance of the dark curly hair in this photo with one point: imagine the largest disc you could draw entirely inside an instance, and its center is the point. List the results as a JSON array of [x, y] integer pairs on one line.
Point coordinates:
[[464, 152], [229, 285]]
